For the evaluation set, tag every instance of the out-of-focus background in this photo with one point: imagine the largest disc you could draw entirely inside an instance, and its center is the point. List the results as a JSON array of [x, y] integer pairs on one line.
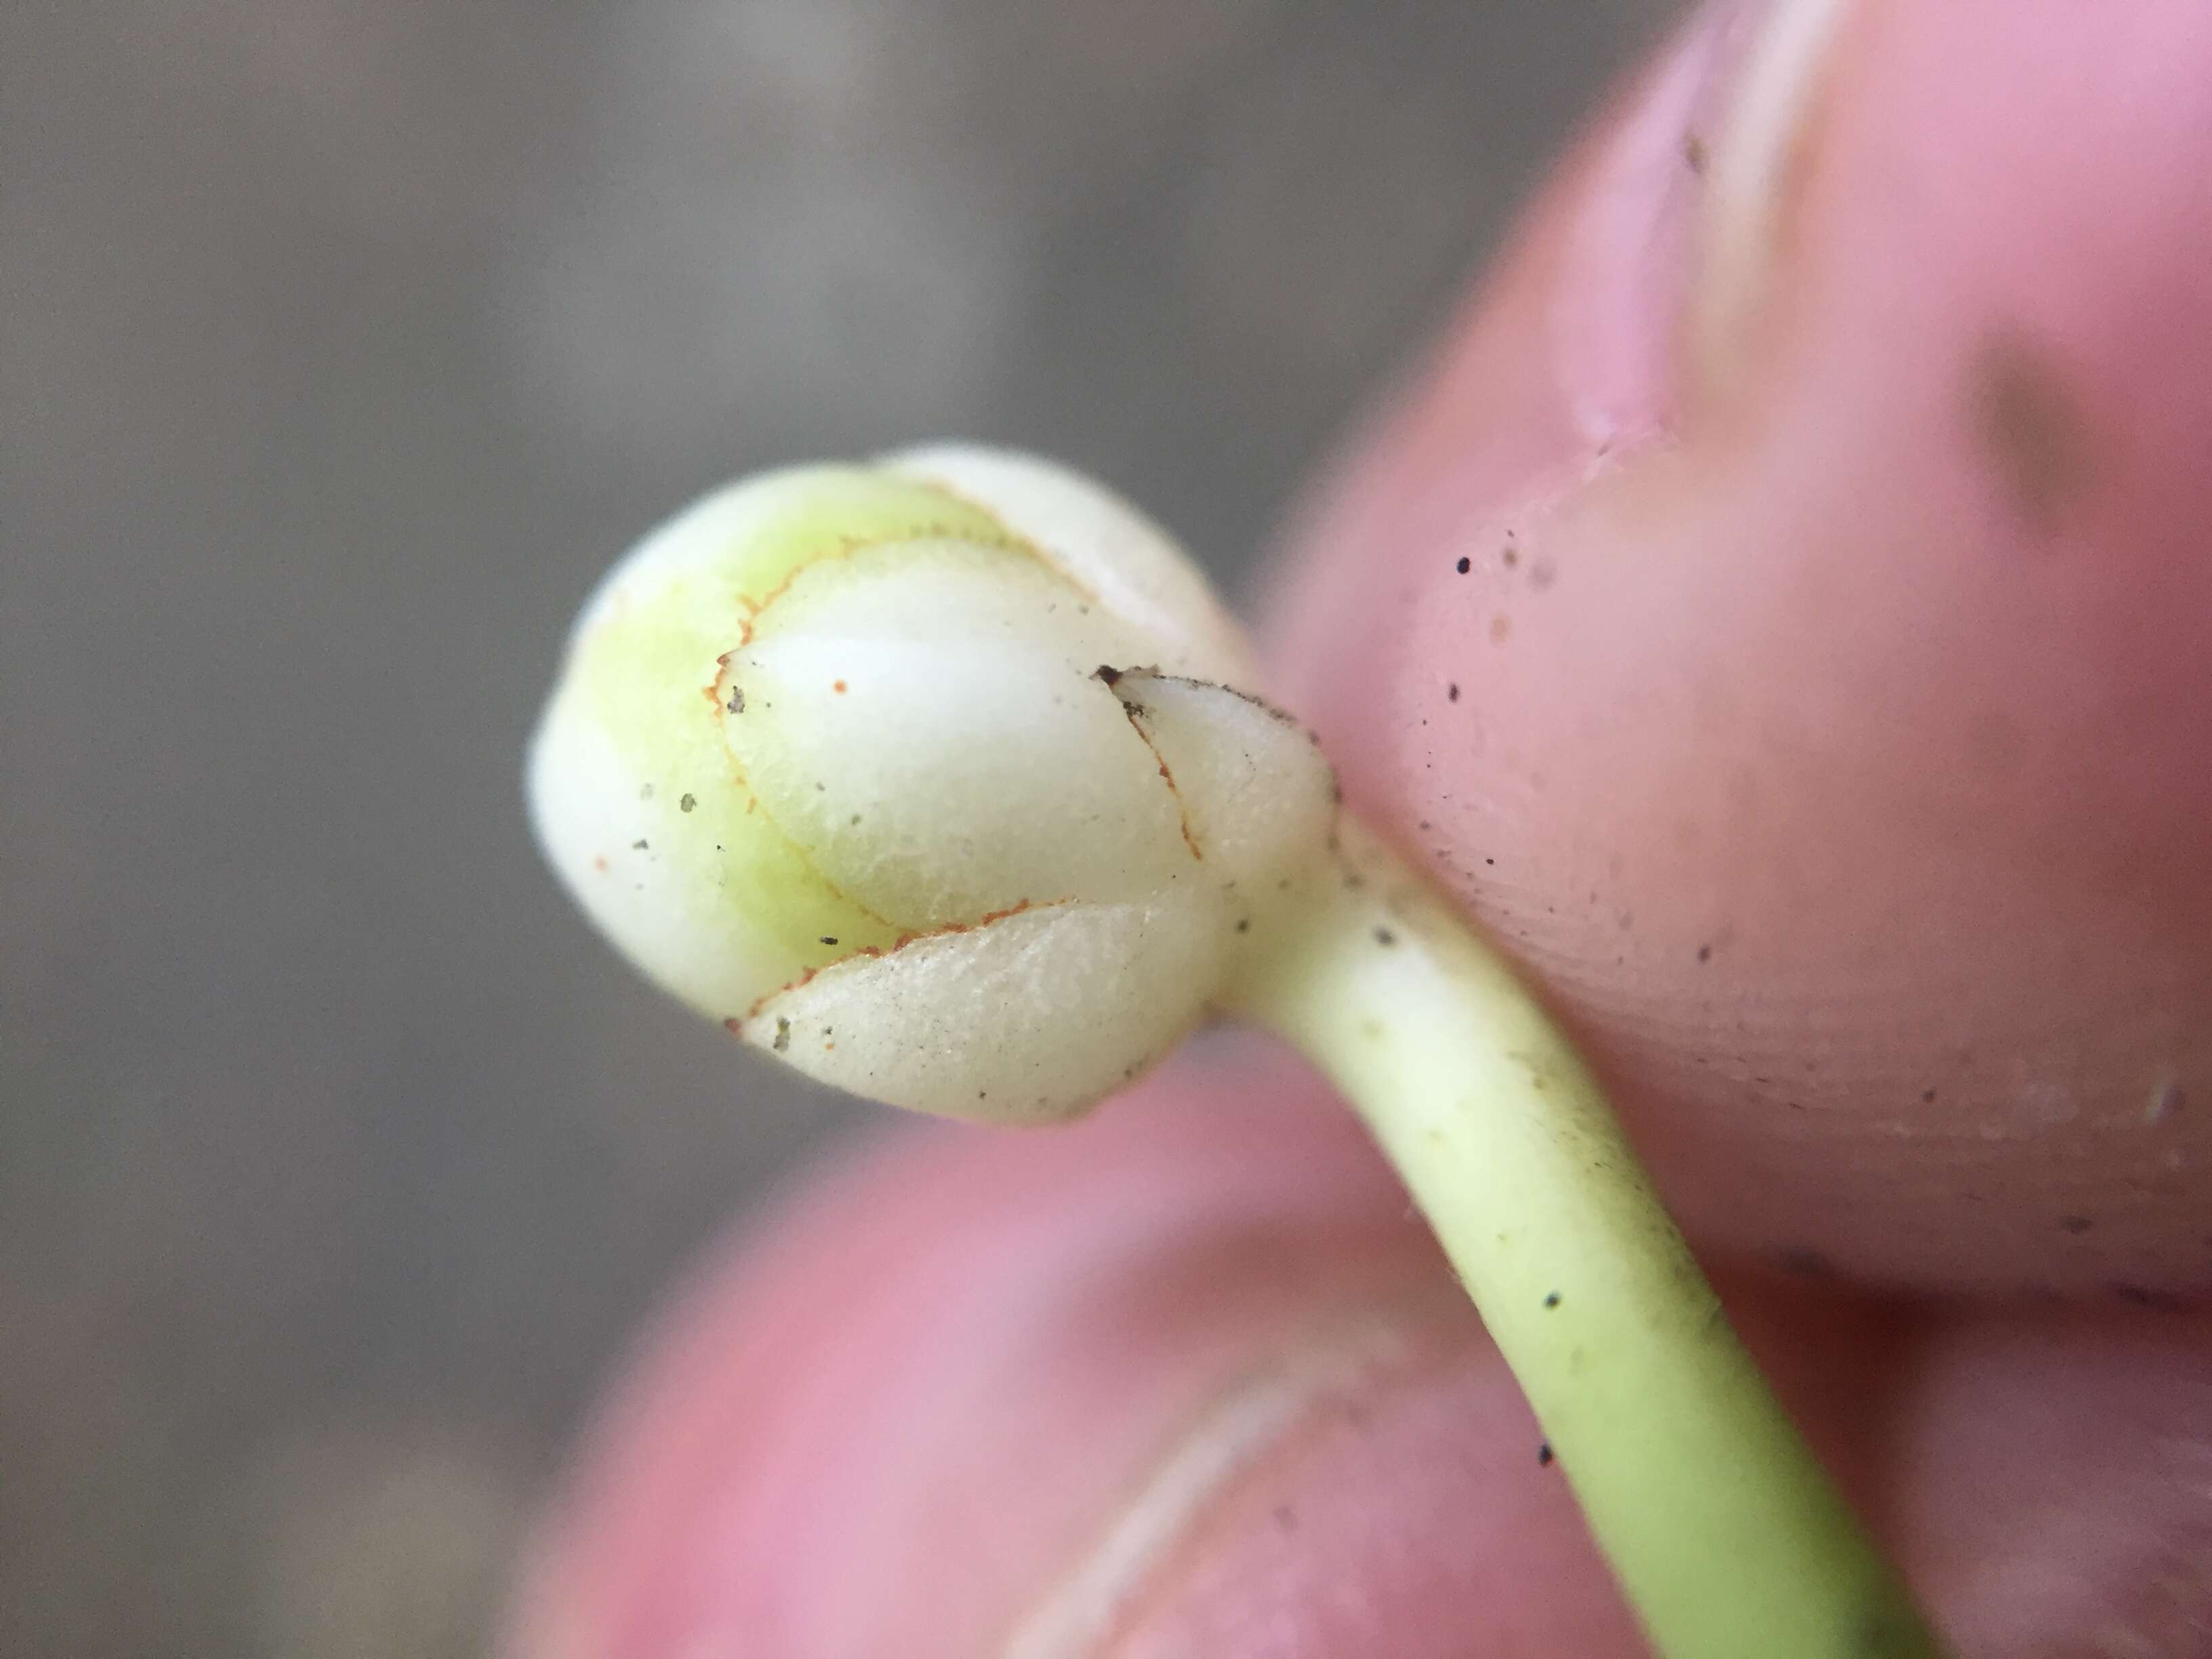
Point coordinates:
[[344, 343]]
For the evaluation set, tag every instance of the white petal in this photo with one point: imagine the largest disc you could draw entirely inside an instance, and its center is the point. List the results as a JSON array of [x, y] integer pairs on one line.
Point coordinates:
[[735, 546], [1104, 545], [932, 784], [632, 790], [1256, 793], [978, 595], [676, 869], [707, 543], [1024, 1018]]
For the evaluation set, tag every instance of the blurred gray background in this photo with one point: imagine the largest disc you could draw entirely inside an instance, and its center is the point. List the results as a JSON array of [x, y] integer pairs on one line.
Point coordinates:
[[344, 344]]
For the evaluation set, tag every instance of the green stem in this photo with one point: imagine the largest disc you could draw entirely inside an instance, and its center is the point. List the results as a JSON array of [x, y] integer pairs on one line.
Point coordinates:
[[1726, 1535]]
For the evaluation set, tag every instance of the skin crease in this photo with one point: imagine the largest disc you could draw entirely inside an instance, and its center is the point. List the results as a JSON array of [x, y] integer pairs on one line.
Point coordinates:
[[1864, 677]]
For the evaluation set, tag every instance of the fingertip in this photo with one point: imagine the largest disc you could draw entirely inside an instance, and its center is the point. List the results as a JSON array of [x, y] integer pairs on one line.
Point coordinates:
[[2048, 1479], [955, 1348], [1822, 732], [1190, 1378]]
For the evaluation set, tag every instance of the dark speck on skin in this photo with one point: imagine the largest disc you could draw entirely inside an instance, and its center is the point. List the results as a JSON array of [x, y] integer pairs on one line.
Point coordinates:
[[1451, 692], [1694, 153], [1704, 953], [1805, 1262], [2028, 427], [1464, 566], [1927, 1097], [2141, 1296], [1544, 1455], [1552, 1300], [2077, 1225]]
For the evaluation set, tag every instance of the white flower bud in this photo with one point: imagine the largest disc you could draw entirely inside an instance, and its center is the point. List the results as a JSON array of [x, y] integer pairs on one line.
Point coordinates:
[[924, 777], [927, 778]]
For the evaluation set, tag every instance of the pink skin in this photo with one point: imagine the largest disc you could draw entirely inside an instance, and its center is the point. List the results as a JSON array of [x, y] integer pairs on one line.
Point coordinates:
[[1846, 740]]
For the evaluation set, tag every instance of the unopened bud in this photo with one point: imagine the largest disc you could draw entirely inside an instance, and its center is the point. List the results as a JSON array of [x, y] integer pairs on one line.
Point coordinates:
[[926, 777]]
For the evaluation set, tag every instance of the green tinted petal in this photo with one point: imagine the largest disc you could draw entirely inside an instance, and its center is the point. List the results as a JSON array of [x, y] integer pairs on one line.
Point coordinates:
[[641, 805]]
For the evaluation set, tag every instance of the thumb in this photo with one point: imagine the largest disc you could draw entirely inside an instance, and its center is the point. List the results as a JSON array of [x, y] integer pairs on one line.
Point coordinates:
[[1780, 617]]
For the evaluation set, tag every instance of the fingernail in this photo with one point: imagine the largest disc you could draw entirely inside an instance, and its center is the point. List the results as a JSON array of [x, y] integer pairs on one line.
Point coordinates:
[[1757, 162], [938, 1386], [1680, 221], [1383, 1491], [1580, 349], [1620, 284], [1230, 1439]]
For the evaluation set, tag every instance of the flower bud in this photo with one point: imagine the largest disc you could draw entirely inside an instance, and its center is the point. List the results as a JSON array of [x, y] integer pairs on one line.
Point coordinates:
[[924, 776]]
